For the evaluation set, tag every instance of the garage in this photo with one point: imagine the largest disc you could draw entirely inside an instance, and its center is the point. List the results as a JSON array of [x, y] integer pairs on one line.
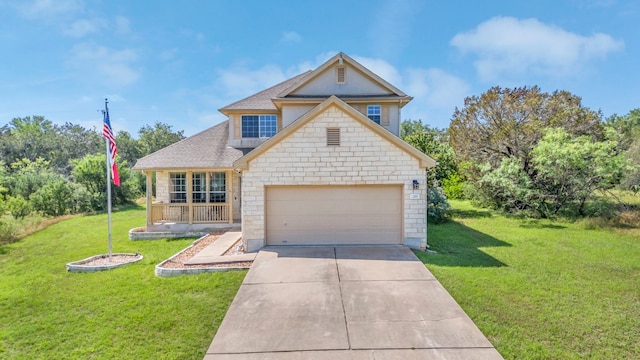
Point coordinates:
[[328, 215]]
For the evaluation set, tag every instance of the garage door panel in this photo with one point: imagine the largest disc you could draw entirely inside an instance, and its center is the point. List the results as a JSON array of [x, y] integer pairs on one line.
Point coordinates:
[[320, 215]]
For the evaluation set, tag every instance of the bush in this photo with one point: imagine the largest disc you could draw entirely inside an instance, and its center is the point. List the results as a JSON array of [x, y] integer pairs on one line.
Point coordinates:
[[18, 206], [438, 206], [453, 187], [8, 231], [55, 198]]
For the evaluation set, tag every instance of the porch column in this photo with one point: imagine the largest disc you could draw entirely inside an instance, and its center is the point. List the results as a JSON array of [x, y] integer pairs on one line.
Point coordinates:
[[230, 197], [149, 192], [190, 195]]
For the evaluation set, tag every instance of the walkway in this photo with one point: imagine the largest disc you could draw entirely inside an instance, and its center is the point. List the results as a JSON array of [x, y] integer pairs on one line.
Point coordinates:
[[347, 302]]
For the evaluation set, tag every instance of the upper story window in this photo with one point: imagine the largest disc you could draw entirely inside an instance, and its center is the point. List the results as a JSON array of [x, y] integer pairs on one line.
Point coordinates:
[[255, 126], [374, 112]]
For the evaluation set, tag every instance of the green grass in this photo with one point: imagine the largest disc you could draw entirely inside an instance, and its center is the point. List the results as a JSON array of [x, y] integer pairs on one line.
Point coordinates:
[[542, 289], [126, 313]]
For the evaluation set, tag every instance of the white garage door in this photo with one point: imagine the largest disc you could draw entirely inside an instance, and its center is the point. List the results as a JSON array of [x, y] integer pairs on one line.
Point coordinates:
[[319, 215]]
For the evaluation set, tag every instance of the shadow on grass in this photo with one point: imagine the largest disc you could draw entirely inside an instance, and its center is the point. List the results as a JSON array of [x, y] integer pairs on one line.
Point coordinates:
[[470, 213], [459, 245], [537, 224]]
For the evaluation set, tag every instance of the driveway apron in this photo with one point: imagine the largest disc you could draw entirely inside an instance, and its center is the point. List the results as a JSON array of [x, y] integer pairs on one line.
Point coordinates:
[[345, 302]]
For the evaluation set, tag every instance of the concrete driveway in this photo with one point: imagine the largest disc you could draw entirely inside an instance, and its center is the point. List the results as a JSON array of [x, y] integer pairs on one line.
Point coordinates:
[[345, 302]]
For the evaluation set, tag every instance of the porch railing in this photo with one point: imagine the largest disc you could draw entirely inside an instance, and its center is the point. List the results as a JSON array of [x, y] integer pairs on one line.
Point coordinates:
[[179, 213]]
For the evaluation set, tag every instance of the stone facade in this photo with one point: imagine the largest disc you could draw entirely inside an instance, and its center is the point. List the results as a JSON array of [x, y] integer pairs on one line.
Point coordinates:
[[362, 158]]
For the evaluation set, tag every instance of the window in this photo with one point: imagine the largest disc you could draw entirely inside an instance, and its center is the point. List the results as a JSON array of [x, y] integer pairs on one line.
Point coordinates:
[[374, 113], [199, 186], [218, 187], [254, 126], [178, 190], [333, 136], [341, 75]]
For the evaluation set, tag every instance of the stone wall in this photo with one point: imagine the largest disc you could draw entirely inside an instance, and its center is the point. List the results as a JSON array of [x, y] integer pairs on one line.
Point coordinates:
[[303, 158]]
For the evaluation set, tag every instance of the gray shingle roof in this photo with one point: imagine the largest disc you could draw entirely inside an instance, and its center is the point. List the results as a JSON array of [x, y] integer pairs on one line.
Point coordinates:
[[262, 100], [206, 149]]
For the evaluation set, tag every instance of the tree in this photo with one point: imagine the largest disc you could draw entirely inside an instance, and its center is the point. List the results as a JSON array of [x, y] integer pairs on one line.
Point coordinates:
[[494, 137], [157, 137], [433, 142], [90, 171], [628, 129], [73, 142], [508, 123], [28, 176], [569, 169], [29, 138], [128, 147]]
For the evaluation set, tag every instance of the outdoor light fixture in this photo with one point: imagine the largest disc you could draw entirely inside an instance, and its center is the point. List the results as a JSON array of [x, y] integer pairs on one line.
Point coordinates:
[[416, 185]]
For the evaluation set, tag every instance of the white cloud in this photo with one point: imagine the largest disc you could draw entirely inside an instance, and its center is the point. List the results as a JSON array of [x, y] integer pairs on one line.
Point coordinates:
[[123, 25], [82, 27], [49, 9], [381, 68], [100, 63], [436, 88], [290, 37], [507, 46], [240, 81]]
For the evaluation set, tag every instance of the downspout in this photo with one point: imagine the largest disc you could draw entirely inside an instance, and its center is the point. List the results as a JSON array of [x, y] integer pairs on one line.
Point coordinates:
[[426, 213]]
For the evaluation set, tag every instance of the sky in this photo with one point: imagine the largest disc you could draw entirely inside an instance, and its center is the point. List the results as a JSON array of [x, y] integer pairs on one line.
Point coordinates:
[[177, 62]]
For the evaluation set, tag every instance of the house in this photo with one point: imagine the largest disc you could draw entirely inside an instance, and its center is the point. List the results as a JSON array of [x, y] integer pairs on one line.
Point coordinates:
[[316, 159]]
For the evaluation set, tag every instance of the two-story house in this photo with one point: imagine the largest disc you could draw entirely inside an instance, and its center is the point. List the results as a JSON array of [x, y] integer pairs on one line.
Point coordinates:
[[314, 160]]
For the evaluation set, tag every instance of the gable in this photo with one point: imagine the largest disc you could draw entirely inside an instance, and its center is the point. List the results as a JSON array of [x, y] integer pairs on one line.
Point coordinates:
[[360, 133], [354, 80], [355, 83]]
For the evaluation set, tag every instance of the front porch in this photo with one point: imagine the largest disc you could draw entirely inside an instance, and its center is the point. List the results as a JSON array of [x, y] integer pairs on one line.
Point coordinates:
[[193, 200]]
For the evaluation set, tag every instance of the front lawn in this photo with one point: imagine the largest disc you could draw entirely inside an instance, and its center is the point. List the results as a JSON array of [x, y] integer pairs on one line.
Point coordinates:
[[542, 289], [126, 313]]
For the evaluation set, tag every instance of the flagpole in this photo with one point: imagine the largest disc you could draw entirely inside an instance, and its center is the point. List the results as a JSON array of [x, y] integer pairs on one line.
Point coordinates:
[[108, 162]]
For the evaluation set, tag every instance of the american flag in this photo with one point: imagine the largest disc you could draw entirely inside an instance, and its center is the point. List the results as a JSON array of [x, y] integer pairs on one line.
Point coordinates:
[[113, 149]]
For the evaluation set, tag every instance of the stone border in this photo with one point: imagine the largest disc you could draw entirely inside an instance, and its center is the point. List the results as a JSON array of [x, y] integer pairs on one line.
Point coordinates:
[[169, 272], [135, 234], [78, 267]]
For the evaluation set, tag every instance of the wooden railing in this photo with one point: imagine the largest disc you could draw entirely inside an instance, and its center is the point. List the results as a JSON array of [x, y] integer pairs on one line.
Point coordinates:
[[179, 213]]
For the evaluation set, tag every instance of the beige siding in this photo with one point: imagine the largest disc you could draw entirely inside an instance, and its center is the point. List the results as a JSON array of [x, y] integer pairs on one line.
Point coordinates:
[[357, 84], [291, 113], [303, 158]]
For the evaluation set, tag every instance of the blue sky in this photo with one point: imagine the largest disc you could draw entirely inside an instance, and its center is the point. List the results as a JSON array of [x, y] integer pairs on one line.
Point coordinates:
[[179, 61]]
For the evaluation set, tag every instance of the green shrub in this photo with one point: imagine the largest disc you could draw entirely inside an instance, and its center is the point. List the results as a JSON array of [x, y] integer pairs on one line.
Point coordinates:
[[18, 206], [453, 187], [438, 206], [8, 230], [54, 198]]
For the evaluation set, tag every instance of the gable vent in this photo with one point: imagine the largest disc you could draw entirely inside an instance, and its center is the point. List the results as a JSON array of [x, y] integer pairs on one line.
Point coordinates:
[[341, 75], [333, 136]]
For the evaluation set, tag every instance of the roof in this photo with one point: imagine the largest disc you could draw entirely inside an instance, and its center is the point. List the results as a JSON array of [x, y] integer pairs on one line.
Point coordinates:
[[205, 150], [262, 99], [425, 161]]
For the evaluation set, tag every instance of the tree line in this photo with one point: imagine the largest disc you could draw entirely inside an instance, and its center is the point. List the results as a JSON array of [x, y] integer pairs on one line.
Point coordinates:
[[520, 150], [525, 151], [52, 169]]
